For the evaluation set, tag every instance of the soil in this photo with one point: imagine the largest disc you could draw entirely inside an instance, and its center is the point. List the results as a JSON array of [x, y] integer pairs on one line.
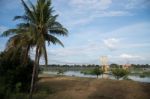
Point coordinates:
[[90, 88]]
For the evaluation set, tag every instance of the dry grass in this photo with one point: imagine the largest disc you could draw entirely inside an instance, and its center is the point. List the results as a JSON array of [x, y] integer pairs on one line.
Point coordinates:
[[89, 88]]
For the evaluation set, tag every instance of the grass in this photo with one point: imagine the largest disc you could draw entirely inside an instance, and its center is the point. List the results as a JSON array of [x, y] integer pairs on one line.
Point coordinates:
[[87, 72], [89, 88], [147, 73]]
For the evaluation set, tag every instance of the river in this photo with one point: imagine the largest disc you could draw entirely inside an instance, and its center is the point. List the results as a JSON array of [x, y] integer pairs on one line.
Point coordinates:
[[79, 74]]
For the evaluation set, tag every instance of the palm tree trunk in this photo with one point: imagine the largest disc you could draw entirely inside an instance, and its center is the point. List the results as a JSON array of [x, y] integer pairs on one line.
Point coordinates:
[[33, 74], [37, 71]]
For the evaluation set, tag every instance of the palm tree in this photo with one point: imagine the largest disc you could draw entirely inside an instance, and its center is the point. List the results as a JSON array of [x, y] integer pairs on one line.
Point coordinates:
[[38, 27]]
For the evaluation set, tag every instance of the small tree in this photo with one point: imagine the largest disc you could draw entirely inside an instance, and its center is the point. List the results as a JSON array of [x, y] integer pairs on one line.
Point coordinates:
[[98, 71], [60, 71], [119, 73]]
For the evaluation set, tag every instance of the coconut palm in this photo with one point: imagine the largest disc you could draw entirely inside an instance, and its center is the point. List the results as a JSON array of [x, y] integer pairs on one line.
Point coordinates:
[[38, 26]]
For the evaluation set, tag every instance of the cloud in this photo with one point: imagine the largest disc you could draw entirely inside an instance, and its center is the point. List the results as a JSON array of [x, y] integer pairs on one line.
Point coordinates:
[[84, 54], [111, 43], [132, 4], [138, 30], [91, 4], [85, 18], [130, 57], [114, 13], [2, 29], [127, 56], [83, 12], [2, 40], [76, 51], [137, 45]]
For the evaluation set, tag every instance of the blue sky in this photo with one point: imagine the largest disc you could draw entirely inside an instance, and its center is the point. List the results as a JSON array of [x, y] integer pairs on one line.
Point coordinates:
[[118, 29]]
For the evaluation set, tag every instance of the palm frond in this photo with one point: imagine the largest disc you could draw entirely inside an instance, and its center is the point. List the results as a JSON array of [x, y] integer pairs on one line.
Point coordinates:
[[52, 39], [10, 32], [51, 20], [24, 18], [23, 25], [58, 31], [29, 13]]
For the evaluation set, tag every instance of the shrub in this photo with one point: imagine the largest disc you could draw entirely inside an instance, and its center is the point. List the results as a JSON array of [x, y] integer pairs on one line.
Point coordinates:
[[119, 72], [60, 71], [14, 76], [97, 71]]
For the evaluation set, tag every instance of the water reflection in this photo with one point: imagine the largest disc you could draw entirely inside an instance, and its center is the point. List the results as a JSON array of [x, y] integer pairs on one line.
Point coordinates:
[[137, 78]]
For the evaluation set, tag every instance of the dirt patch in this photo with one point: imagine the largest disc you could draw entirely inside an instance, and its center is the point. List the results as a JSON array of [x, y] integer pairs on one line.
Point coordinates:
[[89, 88]]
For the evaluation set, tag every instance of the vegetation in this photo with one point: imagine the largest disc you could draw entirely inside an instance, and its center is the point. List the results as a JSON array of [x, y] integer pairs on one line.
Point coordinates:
[[145, 74], [38, 26], [142, 75], [119, 72], [60, 71], [15, 77], [115, 65], [98, 71], [89, 71]]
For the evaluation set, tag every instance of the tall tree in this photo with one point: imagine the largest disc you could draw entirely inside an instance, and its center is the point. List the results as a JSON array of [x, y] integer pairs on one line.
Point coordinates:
[[37, 27]]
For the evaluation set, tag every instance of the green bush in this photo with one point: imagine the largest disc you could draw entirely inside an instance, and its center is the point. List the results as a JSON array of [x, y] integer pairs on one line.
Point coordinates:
[[119, 73], [142, 75], [60, 71], [87, 72], [97, 71], [147, 73]]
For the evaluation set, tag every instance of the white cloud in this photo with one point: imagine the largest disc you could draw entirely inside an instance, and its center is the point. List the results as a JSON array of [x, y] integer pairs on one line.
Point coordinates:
[[130, 31], [83, 12], [111, 43], [86, 17], [2, 29], [114, 13], [137, 45], [131, 4], [75, 51], [83, 54], [91, 4], [130, 57], [125, 58], [2, 40]]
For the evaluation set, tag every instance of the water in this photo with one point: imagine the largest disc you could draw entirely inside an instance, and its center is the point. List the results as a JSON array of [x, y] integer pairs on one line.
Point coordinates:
[[79, 74], [139, 79]]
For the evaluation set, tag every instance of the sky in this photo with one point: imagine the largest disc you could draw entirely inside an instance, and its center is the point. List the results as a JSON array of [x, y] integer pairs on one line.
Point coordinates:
[[118, 29]]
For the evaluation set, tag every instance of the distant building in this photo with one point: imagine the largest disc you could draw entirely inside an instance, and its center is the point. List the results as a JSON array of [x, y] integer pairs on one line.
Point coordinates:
[[126, 66], [104, 63]]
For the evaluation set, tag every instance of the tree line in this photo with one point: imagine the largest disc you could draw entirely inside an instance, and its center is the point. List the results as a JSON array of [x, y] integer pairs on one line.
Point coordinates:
[[96, 65]]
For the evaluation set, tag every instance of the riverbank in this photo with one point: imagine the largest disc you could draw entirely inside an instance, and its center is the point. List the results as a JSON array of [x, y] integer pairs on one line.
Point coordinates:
[[62, 87], [134, 77]]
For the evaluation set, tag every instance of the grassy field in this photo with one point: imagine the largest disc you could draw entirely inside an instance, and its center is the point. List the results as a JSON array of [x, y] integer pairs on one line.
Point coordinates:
[[90, 88]]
